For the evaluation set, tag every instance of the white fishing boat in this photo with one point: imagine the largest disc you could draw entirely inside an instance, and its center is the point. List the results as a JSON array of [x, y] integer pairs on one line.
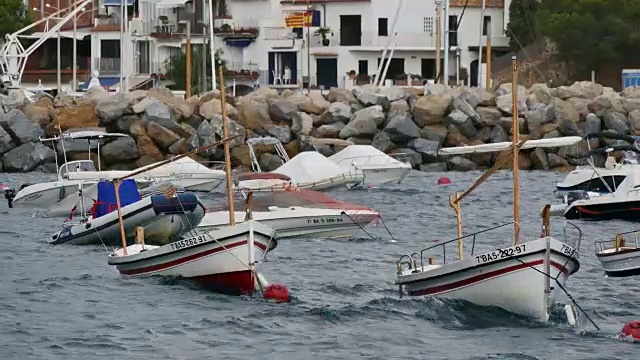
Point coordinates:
[[620, 257], [184, 173], [297, 213], [164, 218], [517, 278], [46, 194], [308, 169], [377, 167], [223, 259]]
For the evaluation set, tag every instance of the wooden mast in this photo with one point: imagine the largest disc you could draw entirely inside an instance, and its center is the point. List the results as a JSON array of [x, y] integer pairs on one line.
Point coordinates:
[[516, 150], [118, 181], [454, 201], [227, 156]]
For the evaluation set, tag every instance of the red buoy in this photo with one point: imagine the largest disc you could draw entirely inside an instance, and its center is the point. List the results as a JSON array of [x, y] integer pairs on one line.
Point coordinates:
[[276, 292], [631, 330], [444, 181]]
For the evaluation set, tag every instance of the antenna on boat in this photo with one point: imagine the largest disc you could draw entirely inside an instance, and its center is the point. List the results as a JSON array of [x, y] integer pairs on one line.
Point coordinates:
[[516, 150], [227, 156], [454, 201]]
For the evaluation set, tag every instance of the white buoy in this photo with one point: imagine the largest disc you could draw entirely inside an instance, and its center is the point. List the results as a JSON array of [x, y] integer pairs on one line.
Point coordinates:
[[571, 318]]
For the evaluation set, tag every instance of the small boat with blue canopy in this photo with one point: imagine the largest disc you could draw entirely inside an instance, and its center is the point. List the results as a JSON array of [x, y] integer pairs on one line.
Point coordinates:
[[165, 217]]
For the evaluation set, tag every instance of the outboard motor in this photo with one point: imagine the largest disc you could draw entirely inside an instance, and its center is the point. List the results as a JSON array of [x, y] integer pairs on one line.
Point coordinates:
[[9, 194]]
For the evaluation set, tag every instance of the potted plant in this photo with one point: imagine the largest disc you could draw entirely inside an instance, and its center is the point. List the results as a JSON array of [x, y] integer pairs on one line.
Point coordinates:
[[323, 31], [401, 79], [363, 79]]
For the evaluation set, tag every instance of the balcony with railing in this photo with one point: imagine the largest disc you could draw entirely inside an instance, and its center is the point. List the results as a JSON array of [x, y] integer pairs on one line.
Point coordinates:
[[418, 40], [107, 66], [108, 22]]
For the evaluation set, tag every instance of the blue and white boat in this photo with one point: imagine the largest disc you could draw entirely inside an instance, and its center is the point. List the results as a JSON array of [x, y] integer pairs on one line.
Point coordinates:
[[164, 217]]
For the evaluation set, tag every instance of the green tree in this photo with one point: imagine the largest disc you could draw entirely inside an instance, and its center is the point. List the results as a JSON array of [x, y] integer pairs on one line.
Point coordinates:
[[176, 69], [14, 15], [522, 29], [591, 34]]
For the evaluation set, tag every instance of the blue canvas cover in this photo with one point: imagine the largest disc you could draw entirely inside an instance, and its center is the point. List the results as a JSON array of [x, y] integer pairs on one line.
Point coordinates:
[[107, 196]]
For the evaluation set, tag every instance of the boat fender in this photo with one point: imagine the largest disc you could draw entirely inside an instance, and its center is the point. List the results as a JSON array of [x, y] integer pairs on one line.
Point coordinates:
[[277, 293], [444, 181], [631, 330], [9, 194], [571, 318]]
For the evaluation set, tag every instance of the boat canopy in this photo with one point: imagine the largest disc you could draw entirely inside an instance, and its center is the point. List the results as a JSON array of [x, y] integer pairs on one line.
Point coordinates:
[[107, 196], [365, 155], [503, 146], [309, 167], [84, 135]]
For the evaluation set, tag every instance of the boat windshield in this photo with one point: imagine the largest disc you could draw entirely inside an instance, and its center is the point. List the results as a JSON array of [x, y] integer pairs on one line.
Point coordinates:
[[76, 166], [630, 157]]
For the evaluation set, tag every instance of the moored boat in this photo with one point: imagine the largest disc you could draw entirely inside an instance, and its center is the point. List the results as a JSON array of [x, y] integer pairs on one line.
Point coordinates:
[[224, 260], [517, 278], [620, 257], [163, 218]]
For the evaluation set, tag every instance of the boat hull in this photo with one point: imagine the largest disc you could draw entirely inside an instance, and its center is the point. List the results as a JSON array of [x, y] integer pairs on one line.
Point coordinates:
[[45, 195], [217, 260], [384, 175], [164, 220], [620, 264], [604, 208], [514, 282], [299, 221]]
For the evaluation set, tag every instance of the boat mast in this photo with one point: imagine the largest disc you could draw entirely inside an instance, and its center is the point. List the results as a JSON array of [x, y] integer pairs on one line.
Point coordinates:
[[227, 156], [516, 150]]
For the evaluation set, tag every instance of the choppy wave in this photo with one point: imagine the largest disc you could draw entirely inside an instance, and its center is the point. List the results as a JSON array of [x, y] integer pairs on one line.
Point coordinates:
[[67, 303]]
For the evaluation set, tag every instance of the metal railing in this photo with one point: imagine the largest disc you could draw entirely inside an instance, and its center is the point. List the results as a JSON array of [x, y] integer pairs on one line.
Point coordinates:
[[618, 243], [107, 21], [412, 262], [403, 39], [107, 65]]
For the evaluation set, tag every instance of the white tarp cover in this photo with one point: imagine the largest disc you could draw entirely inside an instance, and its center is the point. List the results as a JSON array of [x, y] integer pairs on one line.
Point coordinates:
[[309, 167], [364, 156]]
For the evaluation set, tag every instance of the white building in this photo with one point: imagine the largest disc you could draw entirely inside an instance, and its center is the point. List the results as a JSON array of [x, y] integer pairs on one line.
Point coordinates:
[[360, 31], [258, 46]]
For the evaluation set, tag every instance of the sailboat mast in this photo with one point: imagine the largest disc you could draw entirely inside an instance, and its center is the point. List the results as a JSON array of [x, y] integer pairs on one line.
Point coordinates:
[[516, 139], [227, 156]]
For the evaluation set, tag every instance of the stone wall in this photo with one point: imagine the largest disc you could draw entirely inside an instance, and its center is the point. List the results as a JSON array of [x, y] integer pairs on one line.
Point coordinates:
[[394, 120]]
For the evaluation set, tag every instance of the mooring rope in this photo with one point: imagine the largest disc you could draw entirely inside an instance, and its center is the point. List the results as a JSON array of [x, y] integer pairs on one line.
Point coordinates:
[[503, 252]]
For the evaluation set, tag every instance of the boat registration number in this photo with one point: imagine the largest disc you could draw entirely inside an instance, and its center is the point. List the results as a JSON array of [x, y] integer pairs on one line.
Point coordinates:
[[185, 243], [180, 176], [325, 220], [501, 254], [568, 250]]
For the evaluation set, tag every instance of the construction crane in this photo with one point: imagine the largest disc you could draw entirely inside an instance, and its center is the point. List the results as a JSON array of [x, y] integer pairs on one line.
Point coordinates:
[[13, 56]]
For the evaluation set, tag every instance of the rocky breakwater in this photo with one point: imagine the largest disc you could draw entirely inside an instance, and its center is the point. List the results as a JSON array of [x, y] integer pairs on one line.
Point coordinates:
[[417, 122]]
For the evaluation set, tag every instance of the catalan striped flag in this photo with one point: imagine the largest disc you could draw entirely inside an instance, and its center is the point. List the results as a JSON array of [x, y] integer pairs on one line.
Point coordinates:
[[303, 19]]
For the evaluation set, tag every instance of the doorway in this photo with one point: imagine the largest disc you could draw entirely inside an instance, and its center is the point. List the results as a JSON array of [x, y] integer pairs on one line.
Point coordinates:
[[327, 72], [396, 67], [278, 61], [350, 30]]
